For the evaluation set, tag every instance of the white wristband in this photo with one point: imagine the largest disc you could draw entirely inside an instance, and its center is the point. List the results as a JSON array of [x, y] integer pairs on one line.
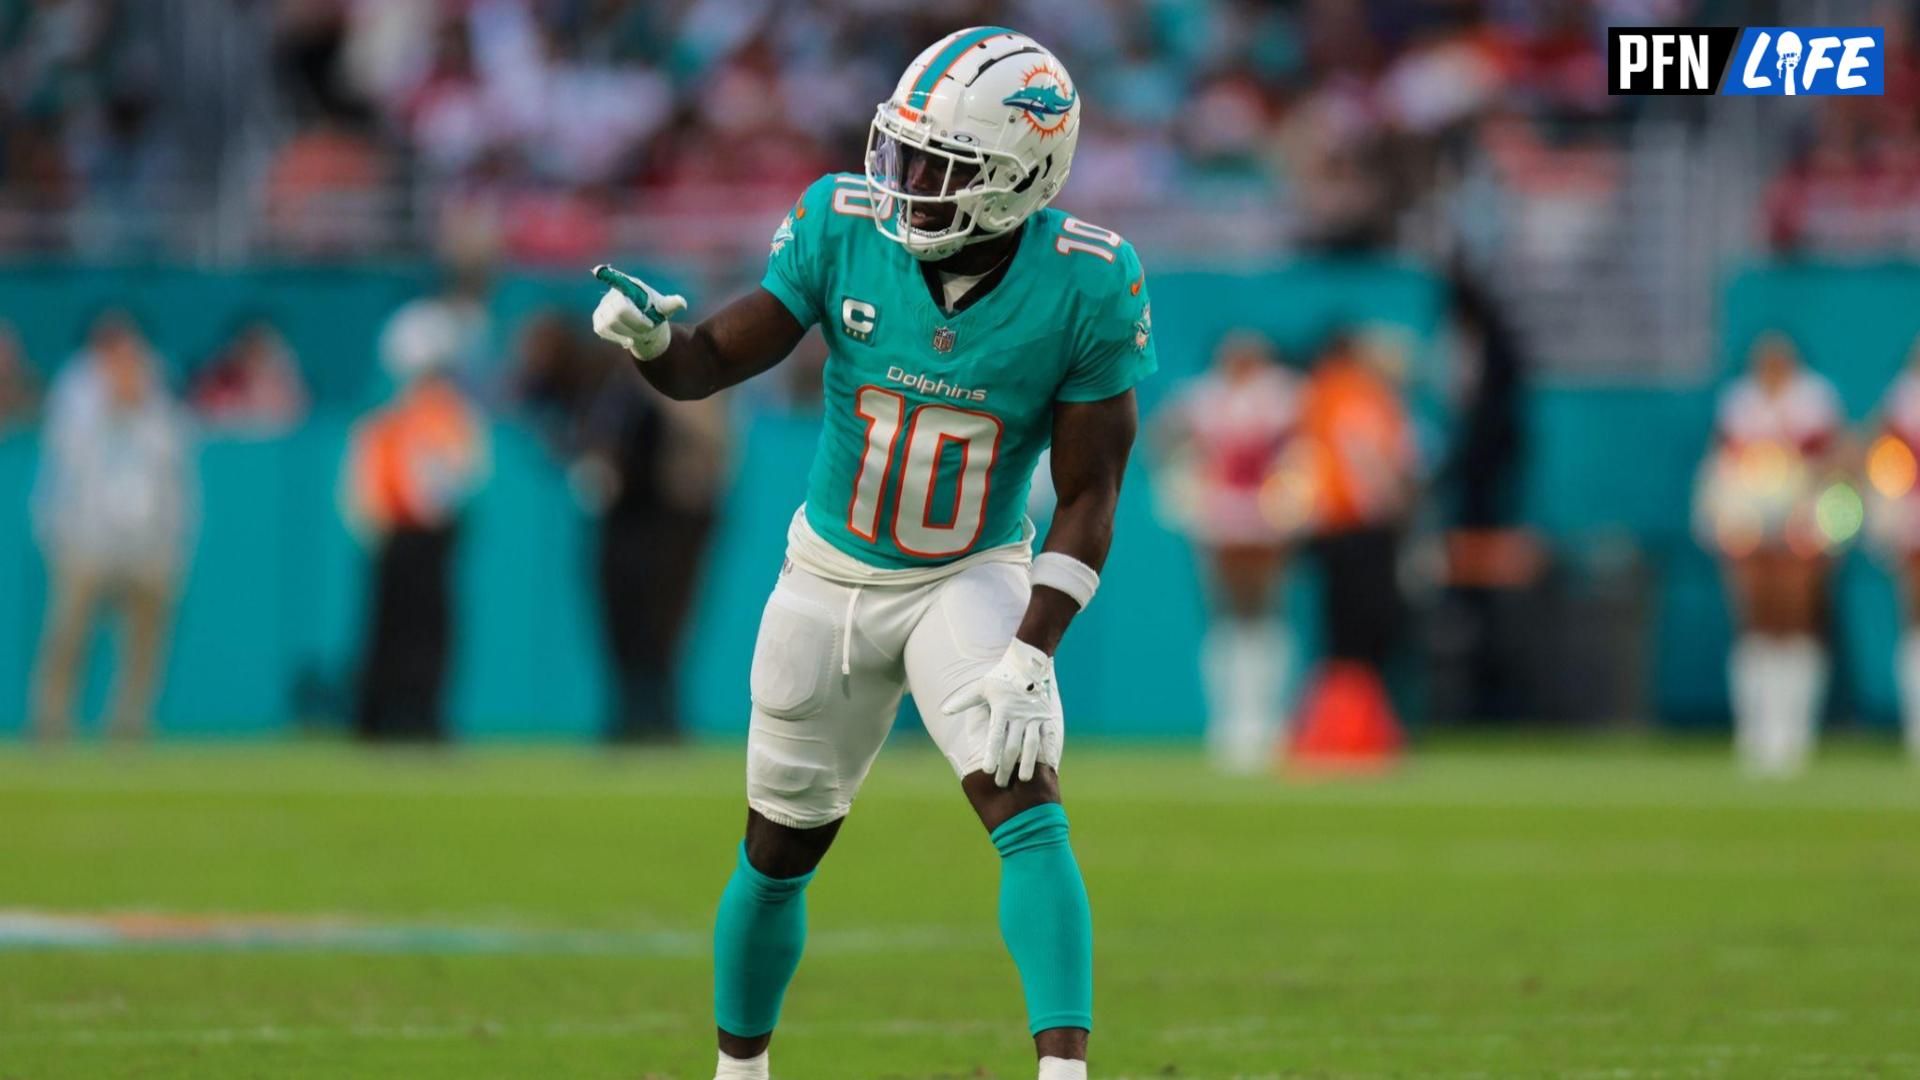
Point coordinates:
[[1057, 570]]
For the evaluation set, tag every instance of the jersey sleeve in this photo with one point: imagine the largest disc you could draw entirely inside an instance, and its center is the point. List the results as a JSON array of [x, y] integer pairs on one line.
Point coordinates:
[[1113, 349], [796, 265]]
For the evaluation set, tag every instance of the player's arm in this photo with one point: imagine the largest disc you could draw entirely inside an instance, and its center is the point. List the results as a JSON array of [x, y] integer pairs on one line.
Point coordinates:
[[1091, 441], [741, 340], [1095, 419], [1024, 725]]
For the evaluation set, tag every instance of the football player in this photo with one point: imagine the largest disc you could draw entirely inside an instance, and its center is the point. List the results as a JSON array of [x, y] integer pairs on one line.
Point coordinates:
[[968, 327]]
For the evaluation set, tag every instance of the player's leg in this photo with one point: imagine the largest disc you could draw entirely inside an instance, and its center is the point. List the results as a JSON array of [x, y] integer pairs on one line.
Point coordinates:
[[824, 697], [759, 932], [77, 592], [1044, 916], [146, 605], [1753, 666], [1246, 656], [1803, 655], [1750, 664], [1778, 667]]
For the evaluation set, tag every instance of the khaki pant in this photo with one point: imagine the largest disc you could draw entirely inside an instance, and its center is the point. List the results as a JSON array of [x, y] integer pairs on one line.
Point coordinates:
[[83, 591]]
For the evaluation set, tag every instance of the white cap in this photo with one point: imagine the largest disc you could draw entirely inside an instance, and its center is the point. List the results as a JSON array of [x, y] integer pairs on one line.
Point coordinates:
[[423, 337]]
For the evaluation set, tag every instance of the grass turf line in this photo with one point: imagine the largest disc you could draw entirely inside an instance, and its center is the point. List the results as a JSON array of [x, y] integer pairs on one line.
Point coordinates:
[[1578, 909]]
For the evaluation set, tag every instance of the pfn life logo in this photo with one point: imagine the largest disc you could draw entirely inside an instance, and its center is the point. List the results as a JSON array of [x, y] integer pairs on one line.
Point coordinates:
[[1787, 61]]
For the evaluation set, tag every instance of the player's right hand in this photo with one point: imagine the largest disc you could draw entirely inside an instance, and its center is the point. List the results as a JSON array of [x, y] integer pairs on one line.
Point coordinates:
[[1025, 727], [633, 315]]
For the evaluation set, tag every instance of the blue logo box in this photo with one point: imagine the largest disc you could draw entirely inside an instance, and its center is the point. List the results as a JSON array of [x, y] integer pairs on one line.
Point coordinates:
[[1820, 60]]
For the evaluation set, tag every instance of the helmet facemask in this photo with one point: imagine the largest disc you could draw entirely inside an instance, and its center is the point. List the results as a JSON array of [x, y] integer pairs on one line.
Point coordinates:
[[961, 193]]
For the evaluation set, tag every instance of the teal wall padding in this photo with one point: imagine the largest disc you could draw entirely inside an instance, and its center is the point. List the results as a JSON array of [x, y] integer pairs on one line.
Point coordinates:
[[273, 600]]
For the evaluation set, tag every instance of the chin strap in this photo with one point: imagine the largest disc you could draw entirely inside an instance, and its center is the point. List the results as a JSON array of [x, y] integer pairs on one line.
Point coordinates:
[[959, 219]]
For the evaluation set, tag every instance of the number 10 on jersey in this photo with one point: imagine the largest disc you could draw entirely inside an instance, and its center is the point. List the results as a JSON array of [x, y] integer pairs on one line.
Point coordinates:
[[930, 431]]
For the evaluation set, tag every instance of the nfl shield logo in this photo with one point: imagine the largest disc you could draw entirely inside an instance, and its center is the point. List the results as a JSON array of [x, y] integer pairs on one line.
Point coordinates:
[[943, 339]]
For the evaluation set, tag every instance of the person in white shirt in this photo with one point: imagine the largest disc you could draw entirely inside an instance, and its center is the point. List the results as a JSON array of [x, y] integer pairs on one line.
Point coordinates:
[[113, 509]]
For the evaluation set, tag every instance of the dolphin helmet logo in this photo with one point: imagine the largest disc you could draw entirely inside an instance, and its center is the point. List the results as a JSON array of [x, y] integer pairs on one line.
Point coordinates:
[[1045, 99]]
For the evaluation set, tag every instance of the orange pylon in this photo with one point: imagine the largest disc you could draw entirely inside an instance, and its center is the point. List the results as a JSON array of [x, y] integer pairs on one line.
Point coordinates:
[[1346, 722]]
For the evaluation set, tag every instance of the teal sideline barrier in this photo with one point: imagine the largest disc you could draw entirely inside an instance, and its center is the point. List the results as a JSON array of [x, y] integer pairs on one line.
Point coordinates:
[[273, 599], [271, 609], [274, 594]]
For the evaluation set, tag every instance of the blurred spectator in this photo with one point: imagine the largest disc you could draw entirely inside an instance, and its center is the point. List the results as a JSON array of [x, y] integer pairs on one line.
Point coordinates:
[[325, 190], [19, 388], [1777, 442], [1490, 555], [445, 113], [1853, 183], [80, 82], [1490, 447], [538, 226], [251, 384], [581, 120], [1365, 471], [650, 471], [1226, 439], [1335, 152], [1855, 188], [310, 38], [411, 467], [1893, 485], [113, 511], [1365, 459]]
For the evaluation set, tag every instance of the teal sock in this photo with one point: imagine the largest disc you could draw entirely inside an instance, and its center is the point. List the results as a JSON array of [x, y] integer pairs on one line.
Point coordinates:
[[757, 938], [1044, 918]]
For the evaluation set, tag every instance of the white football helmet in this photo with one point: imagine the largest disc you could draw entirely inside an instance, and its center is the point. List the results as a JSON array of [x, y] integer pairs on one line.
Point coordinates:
[[985, 122]]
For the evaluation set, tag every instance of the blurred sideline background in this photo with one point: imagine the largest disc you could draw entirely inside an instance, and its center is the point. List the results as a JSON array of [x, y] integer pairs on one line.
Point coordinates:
[[259, 186]]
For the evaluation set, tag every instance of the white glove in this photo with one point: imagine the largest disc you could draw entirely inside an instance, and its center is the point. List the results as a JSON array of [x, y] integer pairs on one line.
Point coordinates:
[[633, 315], [1025, 725]]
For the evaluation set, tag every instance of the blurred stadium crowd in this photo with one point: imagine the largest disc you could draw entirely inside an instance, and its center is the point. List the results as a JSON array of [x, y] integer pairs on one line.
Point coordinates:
[[539, 128]]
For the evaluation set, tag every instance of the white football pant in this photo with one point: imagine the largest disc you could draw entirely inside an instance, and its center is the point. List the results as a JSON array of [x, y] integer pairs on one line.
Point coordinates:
[[830, 666]]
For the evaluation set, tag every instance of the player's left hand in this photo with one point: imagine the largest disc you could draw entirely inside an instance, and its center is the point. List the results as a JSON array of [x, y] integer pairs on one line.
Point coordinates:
[[1025, 726]]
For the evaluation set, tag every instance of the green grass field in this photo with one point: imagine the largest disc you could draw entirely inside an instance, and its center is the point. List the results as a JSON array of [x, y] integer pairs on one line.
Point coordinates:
[[1599, 910]]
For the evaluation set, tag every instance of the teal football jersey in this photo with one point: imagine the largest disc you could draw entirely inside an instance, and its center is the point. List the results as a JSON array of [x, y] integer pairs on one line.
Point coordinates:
[[933, 422]]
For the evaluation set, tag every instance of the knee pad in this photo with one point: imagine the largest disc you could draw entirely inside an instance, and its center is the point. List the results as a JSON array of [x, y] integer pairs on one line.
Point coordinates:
[[788, 781], [790, 792]]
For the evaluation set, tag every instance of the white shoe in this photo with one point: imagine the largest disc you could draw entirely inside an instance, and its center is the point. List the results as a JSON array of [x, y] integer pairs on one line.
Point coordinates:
[[731, 1068]]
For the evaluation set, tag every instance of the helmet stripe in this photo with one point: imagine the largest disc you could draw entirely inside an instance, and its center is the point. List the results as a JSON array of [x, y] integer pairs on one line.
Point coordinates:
[[938, 48], [943, 62]]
